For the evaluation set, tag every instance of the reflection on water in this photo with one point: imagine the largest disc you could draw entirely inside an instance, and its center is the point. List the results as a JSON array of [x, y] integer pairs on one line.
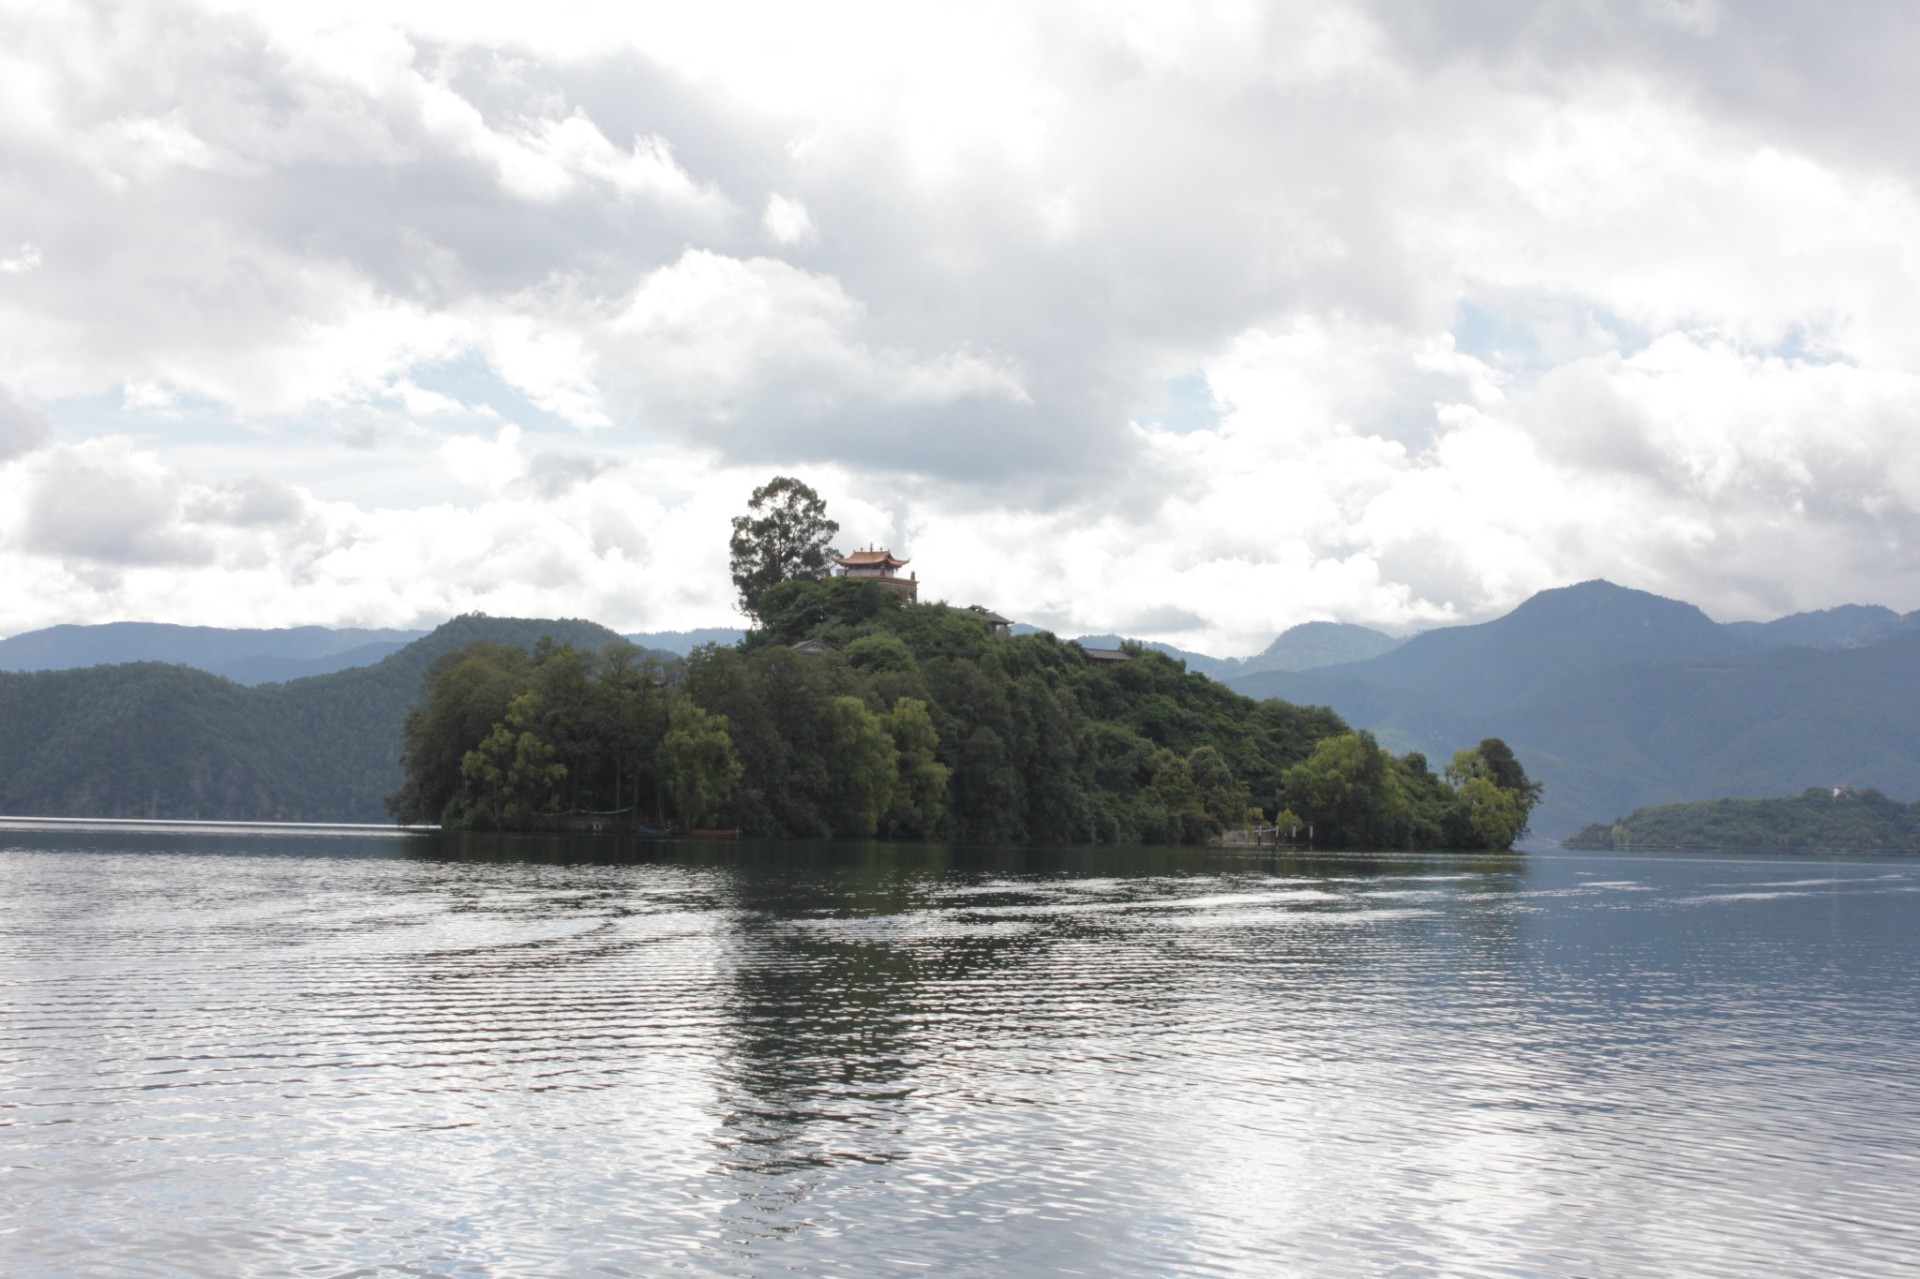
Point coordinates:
[[262, 1053]]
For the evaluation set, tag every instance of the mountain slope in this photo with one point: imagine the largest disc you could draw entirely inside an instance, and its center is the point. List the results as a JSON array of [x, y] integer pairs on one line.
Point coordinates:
[[1618, 699], [243, 655], [1311, 645], [153, 740]]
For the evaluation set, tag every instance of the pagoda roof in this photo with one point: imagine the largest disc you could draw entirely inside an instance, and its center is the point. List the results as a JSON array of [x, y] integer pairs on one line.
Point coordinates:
[[868, 559]]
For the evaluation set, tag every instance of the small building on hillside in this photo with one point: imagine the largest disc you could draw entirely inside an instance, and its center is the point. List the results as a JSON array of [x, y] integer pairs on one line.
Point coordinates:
[[997, 626], [881, 567], [1106, 656]]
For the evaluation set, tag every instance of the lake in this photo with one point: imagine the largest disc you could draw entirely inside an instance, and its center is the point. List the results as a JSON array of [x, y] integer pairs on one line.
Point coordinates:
[[261, 1052]]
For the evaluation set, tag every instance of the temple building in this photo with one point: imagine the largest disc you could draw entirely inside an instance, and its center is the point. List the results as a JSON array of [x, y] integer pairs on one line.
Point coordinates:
[[999, 627], [882, 567]]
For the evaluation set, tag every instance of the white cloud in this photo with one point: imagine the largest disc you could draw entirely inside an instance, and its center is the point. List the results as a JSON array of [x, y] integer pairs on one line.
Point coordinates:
[[25, 258], [1484, 306], [787, 220], [22, 429]]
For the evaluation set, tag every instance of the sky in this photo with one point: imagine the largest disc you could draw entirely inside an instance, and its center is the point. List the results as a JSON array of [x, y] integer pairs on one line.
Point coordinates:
[[1188, 321]]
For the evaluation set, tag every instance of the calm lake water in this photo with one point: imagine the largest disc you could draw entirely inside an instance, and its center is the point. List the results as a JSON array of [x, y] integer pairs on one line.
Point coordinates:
[[263, 1053]]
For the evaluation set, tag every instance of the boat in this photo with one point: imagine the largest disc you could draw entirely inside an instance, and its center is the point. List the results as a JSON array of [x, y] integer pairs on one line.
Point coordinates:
[[702, 832]]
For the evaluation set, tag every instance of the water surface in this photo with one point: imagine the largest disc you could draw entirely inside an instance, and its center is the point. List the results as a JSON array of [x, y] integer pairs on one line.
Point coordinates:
[[250, 1052]]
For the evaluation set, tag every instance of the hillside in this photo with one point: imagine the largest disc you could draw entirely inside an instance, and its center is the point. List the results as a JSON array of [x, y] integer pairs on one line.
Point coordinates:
[[153, 740], [681, 643], [1618, 699]]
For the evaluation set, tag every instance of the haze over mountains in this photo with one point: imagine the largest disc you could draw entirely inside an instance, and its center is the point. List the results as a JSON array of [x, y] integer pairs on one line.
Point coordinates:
[[274, 656], [1617, 699], [1614, 698], [254, 657]]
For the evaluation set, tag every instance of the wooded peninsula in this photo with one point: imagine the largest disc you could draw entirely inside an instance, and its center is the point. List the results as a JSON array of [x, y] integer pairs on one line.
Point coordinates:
[[852, 710]]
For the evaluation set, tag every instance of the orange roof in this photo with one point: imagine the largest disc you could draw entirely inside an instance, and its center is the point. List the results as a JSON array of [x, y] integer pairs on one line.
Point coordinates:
[[866, 558]]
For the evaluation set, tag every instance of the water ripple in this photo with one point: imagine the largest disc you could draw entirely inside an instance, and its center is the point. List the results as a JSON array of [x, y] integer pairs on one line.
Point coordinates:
[[252, 1053]]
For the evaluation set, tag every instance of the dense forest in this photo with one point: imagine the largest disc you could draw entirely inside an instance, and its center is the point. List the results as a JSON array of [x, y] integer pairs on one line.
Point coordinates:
[[1819, 819], [849, 713]]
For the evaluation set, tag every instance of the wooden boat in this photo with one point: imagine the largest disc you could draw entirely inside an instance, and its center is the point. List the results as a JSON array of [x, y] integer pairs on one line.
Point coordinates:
[[702, 832]]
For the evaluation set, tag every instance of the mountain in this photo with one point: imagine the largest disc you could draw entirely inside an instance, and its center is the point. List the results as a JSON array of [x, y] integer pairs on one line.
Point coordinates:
[[147, 739], [1303, 647], [1849, 626], [680, 643], [1618, 699], [1311, 645], [244, 656]]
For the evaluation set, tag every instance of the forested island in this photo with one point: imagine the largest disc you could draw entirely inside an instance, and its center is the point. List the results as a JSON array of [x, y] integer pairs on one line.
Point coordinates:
[[850, 711], [1825, 818]]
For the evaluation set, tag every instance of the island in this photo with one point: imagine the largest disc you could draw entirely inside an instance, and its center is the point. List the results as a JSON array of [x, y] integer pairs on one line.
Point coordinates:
[[1822, 819], [852, 709]]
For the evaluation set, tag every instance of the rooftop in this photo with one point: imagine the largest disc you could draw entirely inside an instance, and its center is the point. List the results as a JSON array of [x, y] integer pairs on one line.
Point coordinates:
[[870, 559]]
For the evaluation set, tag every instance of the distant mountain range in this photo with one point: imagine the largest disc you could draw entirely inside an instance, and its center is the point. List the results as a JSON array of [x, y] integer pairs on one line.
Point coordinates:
[[683, 642], [254, 657], [276, 656], [243, 656], [1299, 648], [1618, 699]]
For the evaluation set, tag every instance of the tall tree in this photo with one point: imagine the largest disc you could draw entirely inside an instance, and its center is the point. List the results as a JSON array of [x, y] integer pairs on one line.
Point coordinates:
[[920, 790], [785, 536], [698, 763]]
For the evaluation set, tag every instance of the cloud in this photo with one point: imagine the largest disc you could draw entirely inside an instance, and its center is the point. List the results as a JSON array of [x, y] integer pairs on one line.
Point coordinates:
[[252, 501], [103, 502], [756, 358], [22, 429], [787, 220], [1123, 316]]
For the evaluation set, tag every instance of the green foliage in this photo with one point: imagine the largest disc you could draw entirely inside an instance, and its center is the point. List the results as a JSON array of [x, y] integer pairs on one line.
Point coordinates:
[[1350, 791], [920, 785], [698, 764], [784, 536], [1822, 819], [512, 777], [917, 722], [1355, 795], [861, 768]]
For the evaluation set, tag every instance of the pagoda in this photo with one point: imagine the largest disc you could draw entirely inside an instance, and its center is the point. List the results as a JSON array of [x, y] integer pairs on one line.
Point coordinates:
[[883, 568]]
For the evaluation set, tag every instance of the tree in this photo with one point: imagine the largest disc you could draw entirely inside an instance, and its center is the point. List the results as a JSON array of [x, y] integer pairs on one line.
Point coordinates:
[[511, 776], [698, 764], [467, 694], [785, 536], [920, 788], [1495, 790], [863, 767], [1348, 790], [1493, 812]]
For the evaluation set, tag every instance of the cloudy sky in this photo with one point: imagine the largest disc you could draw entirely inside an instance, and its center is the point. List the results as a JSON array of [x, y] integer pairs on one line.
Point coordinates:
[[1191, 321]]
